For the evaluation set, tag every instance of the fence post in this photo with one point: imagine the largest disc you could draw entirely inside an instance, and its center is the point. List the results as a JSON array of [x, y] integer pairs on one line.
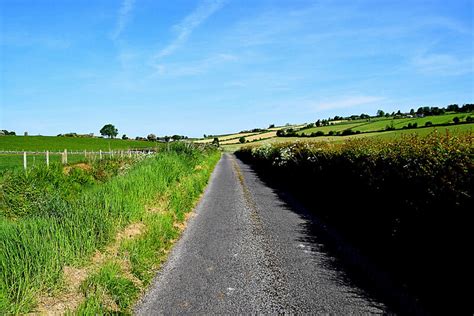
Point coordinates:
[[24, 160], [85, 154], [47, 158], [100, 154]]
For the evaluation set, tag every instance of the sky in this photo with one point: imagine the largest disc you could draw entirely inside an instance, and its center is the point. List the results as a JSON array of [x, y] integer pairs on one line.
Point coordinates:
[[194, 67]]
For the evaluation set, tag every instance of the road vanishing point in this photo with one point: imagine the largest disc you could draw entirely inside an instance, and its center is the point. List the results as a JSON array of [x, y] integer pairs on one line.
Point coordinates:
[[247, 251]]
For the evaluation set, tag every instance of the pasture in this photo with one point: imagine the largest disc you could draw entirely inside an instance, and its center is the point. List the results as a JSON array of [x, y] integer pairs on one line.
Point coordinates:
[[454, 129], [53, 143]]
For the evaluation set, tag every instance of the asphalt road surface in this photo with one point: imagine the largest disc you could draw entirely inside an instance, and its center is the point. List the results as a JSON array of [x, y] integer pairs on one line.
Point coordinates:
[[246, 251]]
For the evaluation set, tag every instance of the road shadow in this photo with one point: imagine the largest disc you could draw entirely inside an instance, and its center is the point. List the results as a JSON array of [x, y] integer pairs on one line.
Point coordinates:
[[351, 266]]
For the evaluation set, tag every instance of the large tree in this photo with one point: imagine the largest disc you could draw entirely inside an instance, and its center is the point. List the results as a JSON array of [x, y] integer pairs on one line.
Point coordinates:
[[109, 130]]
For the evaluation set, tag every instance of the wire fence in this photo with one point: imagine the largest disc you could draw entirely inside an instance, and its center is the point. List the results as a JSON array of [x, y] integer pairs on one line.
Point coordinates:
[[30, 157]]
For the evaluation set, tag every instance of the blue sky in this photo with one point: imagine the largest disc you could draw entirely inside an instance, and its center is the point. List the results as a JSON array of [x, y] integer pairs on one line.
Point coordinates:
[[216, 66]]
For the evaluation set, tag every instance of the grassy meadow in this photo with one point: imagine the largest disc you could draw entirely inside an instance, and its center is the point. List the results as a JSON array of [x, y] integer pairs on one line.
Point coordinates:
[[53, 143], [453, 129], [88, 238], [380, 124]]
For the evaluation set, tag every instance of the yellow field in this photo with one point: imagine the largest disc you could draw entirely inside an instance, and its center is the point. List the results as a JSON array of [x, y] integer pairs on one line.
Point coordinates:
[[251, 138]]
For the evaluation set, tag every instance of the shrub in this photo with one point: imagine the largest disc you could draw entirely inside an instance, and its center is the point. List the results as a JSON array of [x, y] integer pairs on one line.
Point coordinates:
[[420, 192], [456, 120], [428, 124]]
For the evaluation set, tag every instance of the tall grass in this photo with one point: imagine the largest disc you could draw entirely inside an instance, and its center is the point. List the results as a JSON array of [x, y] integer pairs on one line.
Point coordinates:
[[34, 249]]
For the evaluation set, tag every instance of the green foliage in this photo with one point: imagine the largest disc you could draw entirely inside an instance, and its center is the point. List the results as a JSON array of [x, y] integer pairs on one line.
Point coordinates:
[[108, 281], [403, 200], [242, 140], [109, 130], [35, 248]]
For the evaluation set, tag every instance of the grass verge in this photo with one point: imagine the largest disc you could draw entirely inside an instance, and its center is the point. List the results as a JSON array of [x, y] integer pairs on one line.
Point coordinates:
[[90, 236]]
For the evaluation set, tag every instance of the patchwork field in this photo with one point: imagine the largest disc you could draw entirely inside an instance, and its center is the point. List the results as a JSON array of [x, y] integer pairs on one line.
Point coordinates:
[[454, 129]]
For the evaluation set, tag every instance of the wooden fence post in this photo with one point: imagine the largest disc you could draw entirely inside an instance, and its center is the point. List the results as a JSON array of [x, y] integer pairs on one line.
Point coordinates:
[[100, 154], [47, 158]]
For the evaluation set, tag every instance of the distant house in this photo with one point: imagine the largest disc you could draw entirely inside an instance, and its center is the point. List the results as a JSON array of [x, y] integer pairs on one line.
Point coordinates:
[[420, 115]]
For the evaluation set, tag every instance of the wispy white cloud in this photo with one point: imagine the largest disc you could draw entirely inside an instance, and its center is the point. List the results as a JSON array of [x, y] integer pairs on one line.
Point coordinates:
[[123, 17], [189, 23]]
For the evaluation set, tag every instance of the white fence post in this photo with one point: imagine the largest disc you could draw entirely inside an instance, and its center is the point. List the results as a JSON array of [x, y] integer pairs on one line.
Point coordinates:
[[100, 154], [24, 160], [47, 158]]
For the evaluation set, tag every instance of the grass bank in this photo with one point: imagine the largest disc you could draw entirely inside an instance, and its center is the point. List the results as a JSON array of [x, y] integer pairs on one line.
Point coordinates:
[[406, 203], [95, 252]]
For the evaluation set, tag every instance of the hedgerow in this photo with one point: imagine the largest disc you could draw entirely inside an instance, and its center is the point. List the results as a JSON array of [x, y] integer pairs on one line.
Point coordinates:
[[406, 203]]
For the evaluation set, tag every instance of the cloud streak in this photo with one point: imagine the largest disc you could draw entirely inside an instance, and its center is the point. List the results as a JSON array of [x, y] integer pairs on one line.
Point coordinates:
[[188, 24], [123, 17]]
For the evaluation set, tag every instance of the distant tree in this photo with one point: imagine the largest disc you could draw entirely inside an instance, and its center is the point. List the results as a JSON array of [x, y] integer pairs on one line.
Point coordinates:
[[109, 130], [167, 139], [151, 137], [124, 137], [242, 140], [412, 112], [387, 114], [318, 123], [204, 135], [428, 124], [26, 134], [177, 137], [470, 119], [467, 108], [271, 126], [11, 133], [453, 108], [456, 120], [380, 113], [215, 142]]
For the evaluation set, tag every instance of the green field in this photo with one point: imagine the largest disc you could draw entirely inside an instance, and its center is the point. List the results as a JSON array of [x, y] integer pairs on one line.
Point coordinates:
[[379, 124], [53, 143], [454, 129]]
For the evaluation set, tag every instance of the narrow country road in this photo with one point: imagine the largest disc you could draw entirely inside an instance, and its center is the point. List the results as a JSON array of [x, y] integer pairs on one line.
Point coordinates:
[[246, 251]]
